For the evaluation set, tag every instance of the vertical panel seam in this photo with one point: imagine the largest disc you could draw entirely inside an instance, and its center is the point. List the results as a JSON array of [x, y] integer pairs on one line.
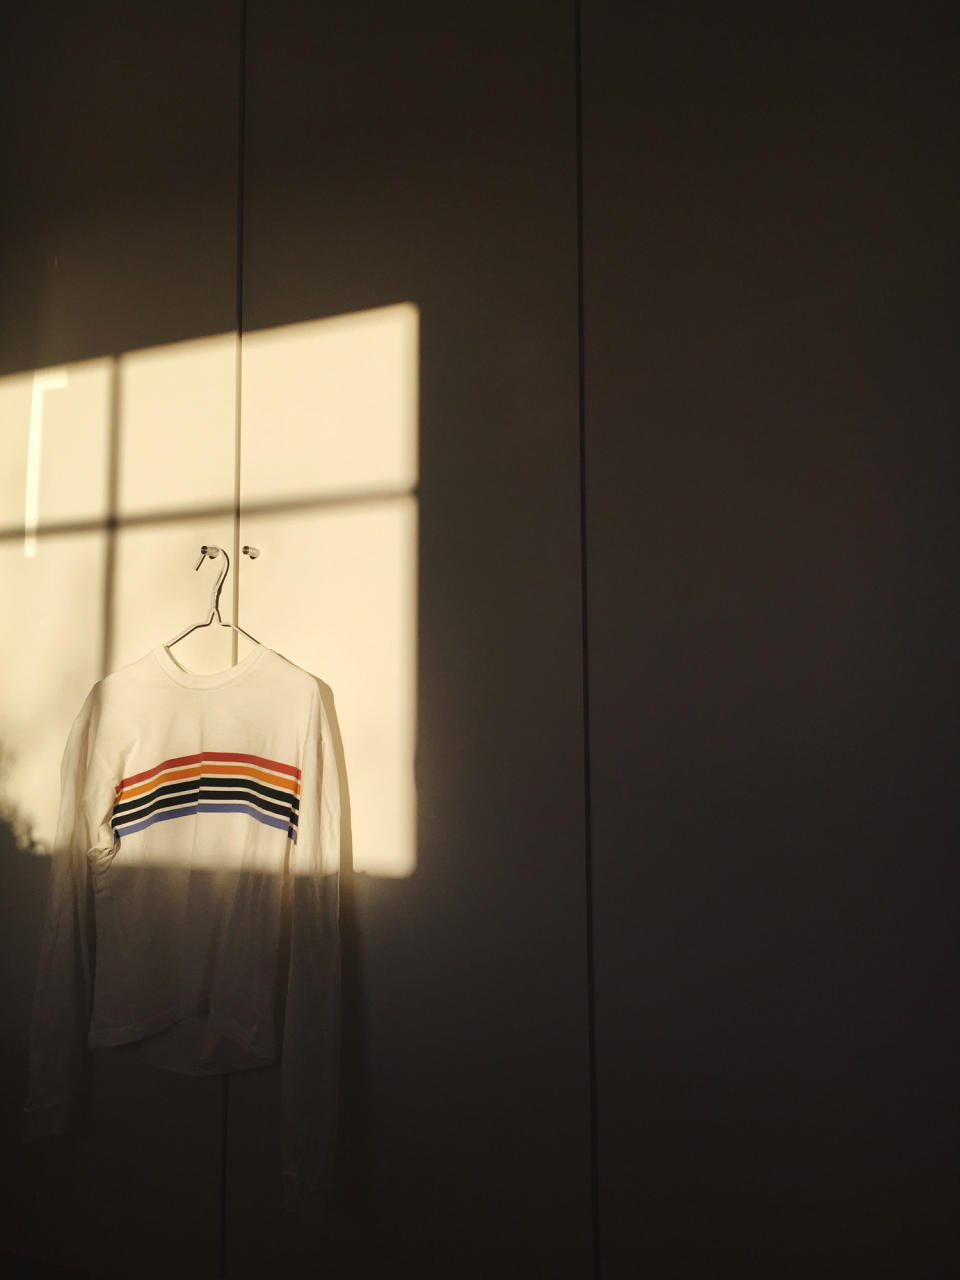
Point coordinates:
[[585, 669], [235, 636], [238, 387]]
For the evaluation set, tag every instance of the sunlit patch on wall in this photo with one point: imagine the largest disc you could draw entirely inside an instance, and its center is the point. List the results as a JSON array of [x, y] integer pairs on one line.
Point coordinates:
[[114, 471]]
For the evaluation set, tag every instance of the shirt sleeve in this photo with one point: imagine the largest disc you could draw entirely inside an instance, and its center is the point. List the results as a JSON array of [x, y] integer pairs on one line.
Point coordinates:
[[310, 1054], [64, 982]]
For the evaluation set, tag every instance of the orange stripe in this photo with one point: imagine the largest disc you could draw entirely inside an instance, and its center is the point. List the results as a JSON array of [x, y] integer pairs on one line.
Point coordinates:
[[226, 770]]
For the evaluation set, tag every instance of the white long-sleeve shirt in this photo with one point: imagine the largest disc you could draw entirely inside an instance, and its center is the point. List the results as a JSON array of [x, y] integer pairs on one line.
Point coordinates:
[[194, 896]]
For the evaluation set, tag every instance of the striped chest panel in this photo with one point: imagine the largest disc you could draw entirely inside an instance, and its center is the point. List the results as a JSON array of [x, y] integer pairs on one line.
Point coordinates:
[[210, 782]]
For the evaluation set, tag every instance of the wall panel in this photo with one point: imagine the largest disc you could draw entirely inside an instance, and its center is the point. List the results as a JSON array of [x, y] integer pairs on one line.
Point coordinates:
[[770, 241], [117, 252], [425, 157]]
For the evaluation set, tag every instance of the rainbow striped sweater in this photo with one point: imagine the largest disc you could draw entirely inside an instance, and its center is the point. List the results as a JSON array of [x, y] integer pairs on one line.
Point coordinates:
[[194, 894]]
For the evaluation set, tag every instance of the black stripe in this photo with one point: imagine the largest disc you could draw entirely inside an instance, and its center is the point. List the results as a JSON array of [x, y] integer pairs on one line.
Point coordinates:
[[191, 785], [194, 796]]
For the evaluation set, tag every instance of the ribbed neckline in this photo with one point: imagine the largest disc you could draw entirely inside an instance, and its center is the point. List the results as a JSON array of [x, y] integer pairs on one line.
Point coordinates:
[[204, 680]]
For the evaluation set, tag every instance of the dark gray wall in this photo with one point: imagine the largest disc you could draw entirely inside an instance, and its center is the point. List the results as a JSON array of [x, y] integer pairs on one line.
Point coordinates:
[[119, 144], [770, 217], [769, 249]]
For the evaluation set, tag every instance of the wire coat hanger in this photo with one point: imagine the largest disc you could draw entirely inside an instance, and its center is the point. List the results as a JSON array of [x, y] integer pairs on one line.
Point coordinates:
[[212, 552]]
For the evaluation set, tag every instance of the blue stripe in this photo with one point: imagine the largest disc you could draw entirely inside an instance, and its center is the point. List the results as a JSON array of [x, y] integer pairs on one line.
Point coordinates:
[[163, 815]]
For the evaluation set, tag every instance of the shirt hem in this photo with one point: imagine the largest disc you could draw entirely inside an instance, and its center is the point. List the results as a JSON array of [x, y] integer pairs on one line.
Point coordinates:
[[110, 1037]]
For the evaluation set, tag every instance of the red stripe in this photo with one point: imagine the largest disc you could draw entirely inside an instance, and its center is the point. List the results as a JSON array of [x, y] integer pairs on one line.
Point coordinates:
[[177, 761], [275, 765]]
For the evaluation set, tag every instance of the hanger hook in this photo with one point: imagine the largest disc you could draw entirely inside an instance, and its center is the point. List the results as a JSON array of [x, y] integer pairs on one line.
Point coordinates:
[[213, 551]]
